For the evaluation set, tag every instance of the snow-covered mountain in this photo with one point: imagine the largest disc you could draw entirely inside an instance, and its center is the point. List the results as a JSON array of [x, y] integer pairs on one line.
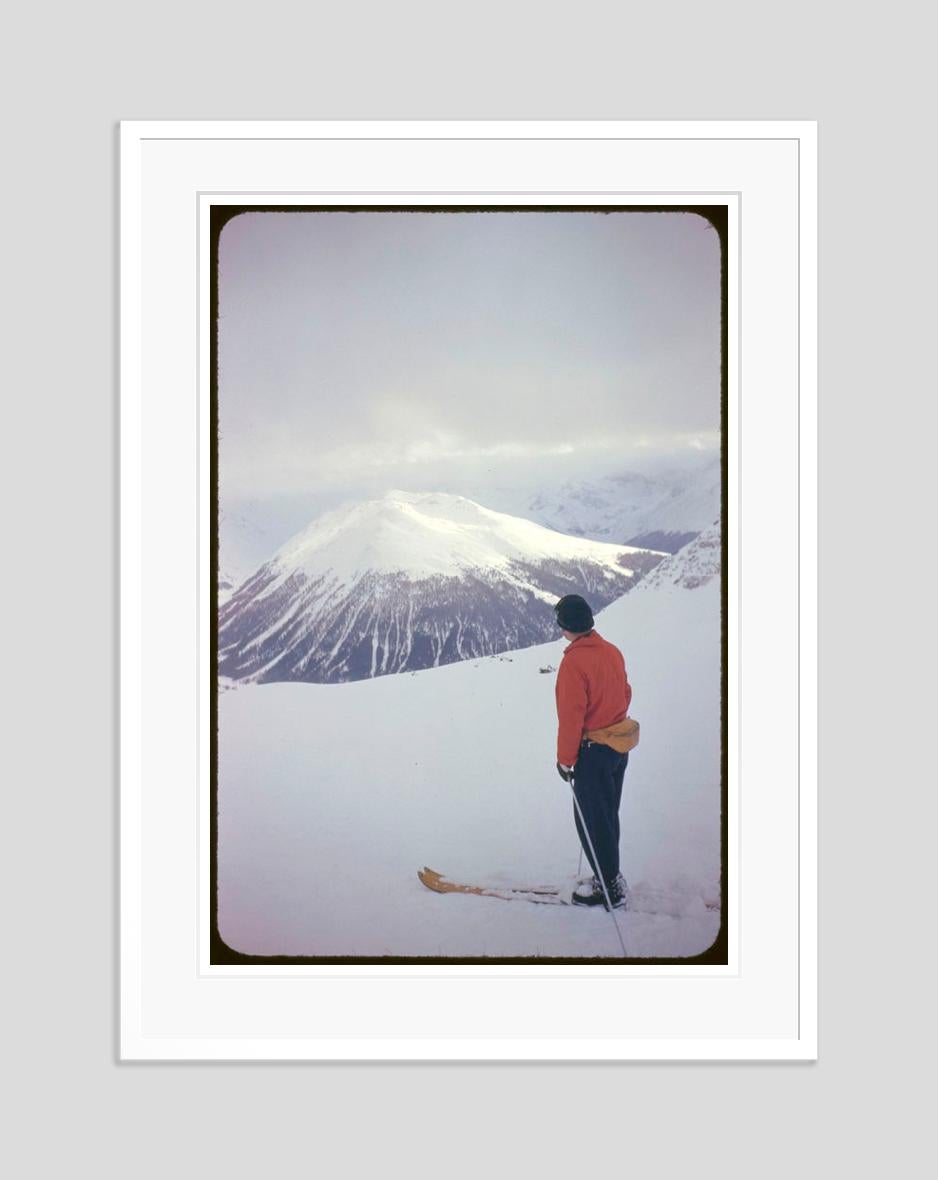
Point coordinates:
[[695, 565], [662, 511], [690, 505], [411, 581], [660, 508]]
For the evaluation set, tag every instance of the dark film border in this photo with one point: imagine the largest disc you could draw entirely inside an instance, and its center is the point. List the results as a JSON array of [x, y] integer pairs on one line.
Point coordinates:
[[221, 954]]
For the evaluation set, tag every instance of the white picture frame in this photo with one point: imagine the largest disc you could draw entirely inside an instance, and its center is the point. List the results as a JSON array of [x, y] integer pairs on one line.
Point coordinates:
[[175, 1004]]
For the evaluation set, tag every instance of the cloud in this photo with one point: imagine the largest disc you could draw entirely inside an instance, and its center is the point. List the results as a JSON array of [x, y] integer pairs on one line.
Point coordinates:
[[354, 343]]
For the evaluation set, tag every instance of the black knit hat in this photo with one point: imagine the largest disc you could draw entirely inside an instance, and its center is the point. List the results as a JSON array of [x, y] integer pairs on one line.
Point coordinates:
[[574, 614]]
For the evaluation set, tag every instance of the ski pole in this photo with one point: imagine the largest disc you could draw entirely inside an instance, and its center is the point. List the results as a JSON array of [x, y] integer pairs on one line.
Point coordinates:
[[589, 840]]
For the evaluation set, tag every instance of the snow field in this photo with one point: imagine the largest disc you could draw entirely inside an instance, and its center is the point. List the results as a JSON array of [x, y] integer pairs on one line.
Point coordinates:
[[330, 797]]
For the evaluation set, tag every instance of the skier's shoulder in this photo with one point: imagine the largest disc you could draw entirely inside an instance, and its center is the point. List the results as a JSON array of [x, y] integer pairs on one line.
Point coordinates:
[[601, 649], [587, 649], [615, 655], [571, 659], [609, 646]]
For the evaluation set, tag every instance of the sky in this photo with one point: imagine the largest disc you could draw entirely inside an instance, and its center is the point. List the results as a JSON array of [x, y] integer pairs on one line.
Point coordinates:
[[385, 349]]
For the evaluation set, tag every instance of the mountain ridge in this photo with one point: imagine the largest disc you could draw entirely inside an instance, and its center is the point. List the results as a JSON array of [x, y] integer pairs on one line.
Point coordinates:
[[409, 581]]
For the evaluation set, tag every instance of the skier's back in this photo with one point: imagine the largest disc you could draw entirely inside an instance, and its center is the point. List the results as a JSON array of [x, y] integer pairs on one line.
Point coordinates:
[[593, 696]]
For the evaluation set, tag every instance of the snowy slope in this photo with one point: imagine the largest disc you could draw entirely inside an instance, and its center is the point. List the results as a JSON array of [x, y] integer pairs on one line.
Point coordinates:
[[410, 581], [695, 565], [332, 796]]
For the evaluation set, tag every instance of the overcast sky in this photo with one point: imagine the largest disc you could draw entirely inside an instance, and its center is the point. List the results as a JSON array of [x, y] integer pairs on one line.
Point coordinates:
[[374, 346]]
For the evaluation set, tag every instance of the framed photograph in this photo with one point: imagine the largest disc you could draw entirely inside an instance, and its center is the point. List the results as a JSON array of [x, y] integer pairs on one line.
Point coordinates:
[[468, 631]]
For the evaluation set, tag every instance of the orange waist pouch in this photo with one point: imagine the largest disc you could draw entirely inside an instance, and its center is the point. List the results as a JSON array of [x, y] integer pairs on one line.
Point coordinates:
[[623, 736]]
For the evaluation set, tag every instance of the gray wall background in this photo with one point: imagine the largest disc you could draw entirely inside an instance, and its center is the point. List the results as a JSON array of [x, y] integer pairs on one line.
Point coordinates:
[[71, 73]]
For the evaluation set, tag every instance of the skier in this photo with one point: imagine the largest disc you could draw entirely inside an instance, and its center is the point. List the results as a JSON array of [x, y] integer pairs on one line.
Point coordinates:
[[593, 697]]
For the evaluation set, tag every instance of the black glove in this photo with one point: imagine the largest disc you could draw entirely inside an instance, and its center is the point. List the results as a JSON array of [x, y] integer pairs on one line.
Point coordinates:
[[565, 772]]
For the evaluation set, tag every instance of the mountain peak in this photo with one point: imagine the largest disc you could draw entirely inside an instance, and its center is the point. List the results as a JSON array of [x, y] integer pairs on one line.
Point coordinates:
[[411, 580], [427, 534]]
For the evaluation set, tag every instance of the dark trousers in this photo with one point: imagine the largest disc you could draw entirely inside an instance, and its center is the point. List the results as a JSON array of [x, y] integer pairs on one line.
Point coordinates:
[[598, 787]]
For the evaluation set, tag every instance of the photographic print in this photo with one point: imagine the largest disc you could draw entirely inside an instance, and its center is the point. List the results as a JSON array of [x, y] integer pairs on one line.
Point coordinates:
[[469, 518]]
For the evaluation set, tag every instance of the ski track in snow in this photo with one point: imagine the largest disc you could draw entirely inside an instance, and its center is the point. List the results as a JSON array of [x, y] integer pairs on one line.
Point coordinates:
[[331, 796]]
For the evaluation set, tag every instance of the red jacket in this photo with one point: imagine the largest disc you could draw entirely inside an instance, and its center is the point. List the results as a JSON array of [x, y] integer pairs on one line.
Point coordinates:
[[593, 691]]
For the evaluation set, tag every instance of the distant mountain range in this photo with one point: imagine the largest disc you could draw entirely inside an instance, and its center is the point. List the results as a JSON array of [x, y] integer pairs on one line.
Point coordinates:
[[663, 512], [411, 581]]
